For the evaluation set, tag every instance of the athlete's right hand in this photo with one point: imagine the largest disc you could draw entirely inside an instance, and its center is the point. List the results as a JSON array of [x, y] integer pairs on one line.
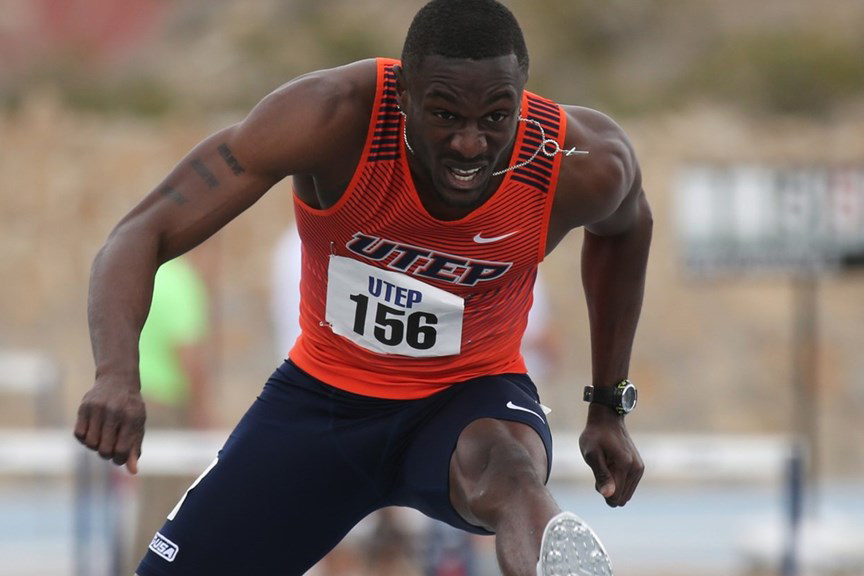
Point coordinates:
[[111, 421]]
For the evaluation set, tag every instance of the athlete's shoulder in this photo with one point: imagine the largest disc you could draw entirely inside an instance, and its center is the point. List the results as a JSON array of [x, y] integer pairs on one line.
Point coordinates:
[[598, 133], [311, 117], [607, 173], [348, 86], [591, 187]]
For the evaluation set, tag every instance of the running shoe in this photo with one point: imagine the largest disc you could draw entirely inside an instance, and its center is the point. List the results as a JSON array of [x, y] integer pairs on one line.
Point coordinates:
[[571, 548]]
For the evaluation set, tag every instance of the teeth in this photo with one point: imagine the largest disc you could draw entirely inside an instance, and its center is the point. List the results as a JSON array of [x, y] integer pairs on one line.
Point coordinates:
[[464, 175], [461, 172]]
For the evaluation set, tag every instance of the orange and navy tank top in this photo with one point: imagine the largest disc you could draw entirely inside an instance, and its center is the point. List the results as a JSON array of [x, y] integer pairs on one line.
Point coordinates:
[[398, 304]]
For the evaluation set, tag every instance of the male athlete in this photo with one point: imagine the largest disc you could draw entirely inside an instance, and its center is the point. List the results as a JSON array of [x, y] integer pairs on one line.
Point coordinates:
[[427, 191]]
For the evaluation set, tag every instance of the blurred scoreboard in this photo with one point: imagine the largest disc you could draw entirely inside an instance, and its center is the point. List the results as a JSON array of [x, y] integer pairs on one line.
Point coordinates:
[[763, 219]]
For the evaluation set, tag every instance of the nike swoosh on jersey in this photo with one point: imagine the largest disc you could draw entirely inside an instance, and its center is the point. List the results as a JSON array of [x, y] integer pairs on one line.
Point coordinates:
[[480, 239], [513, 406]]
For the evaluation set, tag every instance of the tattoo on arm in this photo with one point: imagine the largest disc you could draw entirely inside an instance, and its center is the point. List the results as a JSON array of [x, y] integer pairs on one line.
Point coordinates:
[[230, 160], [205, 173], [173, 194]]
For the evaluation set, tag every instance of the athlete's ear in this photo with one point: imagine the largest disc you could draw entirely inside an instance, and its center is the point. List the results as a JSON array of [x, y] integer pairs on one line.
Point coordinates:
[[401, 87], [400, 77]]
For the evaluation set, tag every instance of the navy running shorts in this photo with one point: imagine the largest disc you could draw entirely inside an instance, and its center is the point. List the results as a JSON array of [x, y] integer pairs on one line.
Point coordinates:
[[308, 461]]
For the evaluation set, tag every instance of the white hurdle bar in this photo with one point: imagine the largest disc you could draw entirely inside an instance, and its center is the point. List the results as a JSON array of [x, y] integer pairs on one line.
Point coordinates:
[[185, 452]]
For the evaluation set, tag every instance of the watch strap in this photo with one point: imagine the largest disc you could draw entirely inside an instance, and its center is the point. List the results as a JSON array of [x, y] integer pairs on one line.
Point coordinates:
[[607, 395]]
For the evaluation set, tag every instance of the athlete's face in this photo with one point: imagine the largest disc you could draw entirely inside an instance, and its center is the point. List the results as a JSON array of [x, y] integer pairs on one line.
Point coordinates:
[[462, 117]]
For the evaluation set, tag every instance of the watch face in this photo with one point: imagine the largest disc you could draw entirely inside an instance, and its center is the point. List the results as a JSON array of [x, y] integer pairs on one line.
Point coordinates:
[[628, 398]]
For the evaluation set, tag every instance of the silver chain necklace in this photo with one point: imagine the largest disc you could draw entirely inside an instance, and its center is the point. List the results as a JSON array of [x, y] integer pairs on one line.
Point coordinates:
[[548, 146]]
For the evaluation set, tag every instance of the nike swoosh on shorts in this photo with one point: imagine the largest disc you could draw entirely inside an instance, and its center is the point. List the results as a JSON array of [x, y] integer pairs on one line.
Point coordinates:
[[513, 406]]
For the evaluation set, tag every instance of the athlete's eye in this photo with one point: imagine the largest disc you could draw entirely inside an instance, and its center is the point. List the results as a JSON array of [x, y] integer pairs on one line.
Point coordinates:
[[444, 115], [496, 117]]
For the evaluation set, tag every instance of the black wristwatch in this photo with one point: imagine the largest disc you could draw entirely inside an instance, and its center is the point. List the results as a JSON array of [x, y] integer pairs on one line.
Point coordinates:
[[621, 397]]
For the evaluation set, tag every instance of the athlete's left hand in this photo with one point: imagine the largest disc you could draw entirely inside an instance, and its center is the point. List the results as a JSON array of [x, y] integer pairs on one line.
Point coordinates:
[[609, 451]]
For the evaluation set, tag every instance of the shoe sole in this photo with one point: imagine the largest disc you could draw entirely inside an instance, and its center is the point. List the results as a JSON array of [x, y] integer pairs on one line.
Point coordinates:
[[571, 548]]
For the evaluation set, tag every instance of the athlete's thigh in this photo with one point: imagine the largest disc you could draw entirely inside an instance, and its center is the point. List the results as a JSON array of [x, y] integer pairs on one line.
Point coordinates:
[[494, 457], [277, 498], [495, 401], [482, 438]]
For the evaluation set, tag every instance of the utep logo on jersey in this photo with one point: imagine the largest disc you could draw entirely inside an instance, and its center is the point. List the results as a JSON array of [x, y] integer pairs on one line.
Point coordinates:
[[164, 547], [426, 263]]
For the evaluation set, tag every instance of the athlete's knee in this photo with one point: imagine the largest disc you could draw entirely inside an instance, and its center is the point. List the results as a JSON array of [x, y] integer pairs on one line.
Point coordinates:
[[506, 476], [511, 468], [510, 480]]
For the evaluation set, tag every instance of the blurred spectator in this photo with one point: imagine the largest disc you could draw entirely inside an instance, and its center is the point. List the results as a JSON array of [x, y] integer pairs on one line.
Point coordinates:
[[540, 348], [449, 551], [392, 548], [171, 348], [285, 294], [173, 372]]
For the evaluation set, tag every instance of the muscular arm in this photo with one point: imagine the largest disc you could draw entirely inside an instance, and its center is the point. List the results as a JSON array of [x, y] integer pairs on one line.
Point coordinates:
[[219, 179], [613, 276], [204, 192], [606, 197]]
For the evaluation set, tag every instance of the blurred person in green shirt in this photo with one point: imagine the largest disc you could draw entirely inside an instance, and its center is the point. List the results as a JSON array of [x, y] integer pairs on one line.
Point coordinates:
[[174, 379], [171, 360]]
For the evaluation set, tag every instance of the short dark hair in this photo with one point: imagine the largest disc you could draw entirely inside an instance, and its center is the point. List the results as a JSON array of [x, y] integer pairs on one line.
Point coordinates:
[[471, 29]]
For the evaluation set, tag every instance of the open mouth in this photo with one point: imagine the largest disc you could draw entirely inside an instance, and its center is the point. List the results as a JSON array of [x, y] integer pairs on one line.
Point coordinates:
[[464, 177]]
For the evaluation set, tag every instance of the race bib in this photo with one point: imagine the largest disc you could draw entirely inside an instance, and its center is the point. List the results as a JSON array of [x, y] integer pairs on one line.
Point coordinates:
[[391, 313]]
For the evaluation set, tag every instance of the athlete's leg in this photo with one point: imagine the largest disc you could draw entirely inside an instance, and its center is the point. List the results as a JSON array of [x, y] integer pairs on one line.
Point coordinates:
[[479, 460], [498, 481], [480, 463], [284, 490]]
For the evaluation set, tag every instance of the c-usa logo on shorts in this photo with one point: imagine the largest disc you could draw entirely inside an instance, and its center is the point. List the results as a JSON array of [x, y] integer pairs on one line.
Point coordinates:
[[165, 548]]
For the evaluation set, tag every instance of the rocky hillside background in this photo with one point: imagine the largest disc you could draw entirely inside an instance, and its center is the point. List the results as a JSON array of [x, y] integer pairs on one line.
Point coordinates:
[[98, 103]]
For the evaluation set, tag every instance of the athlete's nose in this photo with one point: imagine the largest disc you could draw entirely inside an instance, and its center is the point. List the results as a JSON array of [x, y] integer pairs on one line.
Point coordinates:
[[469, 142]]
